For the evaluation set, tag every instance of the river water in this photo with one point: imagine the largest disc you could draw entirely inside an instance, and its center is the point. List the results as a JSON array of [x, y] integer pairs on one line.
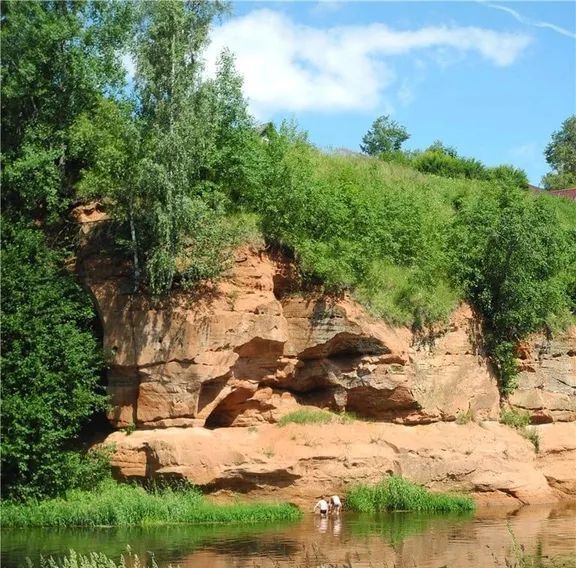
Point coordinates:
[[399, 540]]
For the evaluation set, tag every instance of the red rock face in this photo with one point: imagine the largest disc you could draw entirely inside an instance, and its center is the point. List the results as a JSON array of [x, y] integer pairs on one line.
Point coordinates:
[[253, 348], [547, 378], [249, 350]]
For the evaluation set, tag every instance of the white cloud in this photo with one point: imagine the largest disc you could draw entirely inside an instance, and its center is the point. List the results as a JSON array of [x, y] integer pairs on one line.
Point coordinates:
[[293, 67], [530, 22]]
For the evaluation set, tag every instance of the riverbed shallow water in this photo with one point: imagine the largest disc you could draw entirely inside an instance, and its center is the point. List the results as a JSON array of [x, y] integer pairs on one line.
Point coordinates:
[[399, 540]]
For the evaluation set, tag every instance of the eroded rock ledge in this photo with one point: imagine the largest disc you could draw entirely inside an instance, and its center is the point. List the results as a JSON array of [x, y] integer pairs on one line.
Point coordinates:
[[300, 462], [547, 378]]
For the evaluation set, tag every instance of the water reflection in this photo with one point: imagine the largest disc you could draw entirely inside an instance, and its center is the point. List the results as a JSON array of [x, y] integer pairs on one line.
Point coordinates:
[[332, 524], [361, 540], [336, 526], [321, 524]]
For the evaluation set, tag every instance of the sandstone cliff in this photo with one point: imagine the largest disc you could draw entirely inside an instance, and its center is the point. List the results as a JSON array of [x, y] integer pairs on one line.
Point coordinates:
[[247, 351]]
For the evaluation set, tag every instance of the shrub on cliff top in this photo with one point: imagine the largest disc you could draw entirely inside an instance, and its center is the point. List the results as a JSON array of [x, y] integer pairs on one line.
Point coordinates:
[[395, 493], [511, 257]]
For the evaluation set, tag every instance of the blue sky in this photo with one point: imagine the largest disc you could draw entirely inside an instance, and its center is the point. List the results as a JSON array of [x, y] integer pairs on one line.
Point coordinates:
[[492, 79]]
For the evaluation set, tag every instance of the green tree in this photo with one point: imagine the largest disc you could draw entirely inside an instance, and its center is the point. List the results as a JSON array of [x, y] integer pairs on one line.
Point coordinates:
[[509, 257], [58, 59], [385, 135], [182, 229], [439, 146], [236, 163], [50, 367], [561, 157]]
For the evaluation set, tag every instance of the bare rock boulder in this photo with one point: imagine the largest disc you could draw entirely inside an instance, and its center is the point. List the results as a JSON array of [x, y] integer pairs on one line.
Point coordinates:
[[547, 378]]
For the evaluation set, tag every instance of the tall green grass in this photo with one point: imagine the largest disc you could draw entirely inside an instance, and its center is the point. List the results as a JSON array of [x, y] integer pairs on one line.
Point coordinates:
[[395, 493], [305, 416], [112, 504], [95, 560]]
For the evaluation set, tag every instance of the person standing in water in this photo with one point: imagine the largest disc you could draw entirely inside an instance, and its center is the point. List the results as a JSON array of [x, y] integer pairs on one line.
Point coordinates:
[[322, 505], [335, 505]]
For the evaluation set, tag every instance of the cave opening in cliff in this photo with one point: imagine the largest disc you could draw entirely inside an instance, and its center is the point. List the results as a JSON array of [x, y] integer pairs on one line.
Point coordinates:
[[98, 426], [230, 407]]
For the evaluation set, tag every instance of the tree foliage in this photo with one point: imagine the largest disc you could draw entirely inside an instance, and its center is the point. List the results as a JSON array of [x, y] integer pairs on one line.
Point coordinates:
[[384, 136], [58, 58], [508, 255], [561, 157], [50, 367]]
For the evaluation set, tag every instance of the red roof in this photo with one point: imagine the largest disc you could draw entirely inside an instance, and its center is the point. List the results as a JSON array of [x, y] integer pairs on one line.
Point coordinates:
[[568, 193]]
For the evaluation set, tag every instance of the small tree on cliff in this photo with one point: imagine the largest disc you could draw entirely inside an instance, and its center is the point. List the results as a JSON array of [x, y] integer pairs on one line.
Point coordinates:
[[385, 135], [181, 222]]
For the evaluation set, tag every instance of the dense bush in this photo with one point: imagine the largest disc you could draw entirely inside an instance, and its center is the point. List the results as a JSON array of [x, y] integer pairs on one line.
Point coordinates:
[[444, 161], [395, 493], [509, 254], [50, 368]]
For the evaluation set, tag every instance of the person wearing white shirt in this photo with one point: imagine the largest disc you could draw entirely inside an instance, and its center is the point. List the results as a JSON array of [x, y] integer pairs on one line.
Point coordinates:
[[335, 505], [322, 505]]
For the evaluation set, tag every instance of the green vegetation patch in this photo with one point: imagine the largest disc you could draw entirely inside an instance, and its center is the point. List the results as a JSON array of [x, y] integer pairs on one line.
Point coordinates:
[[127, 505], [520, 421], [96, 560], [514, 418], [305, 416], [395, 493]]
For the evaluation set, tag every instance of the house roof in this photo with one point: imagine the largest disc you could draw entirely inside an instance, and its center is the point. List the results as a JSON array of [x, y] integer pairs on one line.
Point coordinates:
[[568, 193]]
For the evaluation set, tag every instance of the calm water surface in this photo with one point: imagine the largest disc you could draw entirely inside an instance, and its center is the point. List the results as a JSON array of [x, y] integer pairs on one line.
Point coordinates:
[[400, 540]]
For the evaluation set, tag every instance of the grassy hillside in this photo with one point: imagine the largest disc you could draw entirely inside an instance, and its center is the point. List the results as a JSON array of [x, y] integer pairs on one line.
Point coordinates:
[[410, 246]]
